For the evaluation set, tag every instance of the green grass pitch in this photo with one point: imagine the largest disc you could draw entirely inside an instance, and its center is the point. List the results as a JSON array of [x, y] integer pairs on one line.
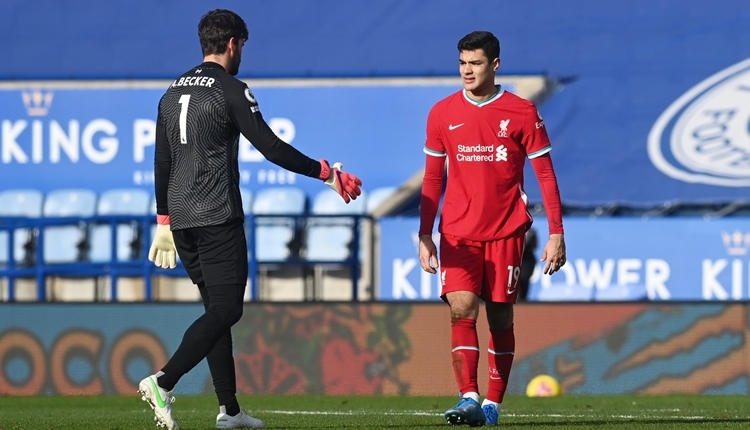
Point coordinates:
[[322, 412]]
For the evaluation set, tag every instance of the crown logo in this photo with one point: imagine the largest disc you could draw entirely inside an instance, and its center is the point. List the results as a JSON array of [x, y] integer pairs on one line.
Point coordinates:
[[736, 243], [37, 102]]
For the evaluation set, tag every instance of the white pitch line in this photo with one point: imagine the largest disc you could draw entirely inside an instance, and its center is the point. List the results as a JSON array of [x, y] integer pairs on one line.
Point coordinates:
[[510, 415], [505, 414], [405, 413]]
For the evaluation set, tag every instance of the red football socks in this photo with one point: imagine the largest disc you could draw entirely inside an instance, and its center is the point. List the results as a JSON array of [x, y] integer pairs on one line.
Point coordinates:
[[465, 354], [500, 357]]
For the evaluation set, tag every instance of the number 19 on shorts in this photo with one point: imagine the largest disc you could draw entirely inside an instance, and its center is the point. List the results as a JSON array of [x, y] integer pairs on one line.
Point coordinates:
[[514, 272]]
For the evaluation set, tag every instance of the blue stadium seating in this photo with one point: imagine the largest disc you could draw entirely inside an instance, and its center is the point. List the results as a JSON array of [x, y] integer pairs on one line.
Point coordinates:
[[324, 233], [377, 196], [118, 202], [279, 200], [272, 242], [19, 203], [327, 202], [247, 201], [274, 235], [63, 244], [330, 239]]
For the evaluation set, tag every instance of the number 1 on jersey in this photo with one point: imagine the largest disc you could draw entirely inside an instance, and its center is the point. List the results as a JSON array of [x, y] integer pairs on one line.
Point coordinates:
[[184, 101]]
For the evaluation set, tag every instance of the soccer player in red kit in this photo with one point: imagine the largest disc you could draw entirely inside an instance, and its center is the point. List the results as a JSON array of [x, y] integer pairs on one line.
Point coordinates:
[[484, 134]]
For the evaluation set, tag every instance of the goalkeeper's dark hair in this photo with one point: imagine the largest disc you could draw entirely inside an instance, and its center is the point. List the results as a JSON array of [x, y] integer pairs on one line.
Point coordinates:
[[217, 27], [483, 40]]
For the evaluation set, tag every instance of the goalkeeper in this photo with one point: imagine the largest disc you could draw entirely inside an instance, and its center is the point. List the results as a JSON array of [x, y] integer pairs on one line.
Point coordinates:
[[199, 207]]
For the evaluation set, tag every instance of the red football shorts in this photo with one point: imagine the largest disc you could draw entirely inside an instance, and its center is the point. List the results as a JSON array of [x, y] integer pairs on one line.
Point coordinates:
[[490, 269]]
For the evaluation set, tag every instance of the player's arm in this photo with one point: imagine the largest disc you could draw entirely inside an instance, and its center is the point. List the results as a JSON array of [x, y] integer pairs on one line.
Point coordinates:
[[162, 251], [162, 167], [245, 113], [538, 148], [432, 189]]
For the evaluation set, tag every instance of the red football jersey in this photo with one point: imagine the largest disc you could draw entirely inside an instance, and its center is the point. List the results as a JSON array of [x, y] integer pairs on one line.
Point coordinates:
[[486, 144]]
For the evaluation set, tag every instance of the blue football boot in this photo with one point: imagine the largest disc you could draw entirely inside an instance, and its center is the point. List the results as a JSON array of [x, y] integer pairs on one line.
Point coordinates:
[[491, 414], [467, 411]]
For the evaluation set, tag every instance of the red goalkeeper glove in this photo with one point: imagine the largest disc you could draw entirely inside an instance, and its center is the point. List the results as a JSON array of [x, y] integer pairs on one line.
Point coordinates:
[[345, 184]]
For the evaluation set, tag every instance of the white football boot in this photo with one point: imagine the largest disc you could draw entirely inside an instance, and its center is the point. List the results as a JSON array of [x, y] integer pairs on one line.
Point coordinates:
[[160, 401], [240, 421]]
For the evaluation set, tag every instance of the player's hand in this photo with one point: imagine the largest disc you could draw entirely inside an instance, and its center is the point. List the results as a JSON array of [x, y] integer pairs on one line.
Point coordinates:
[[554, 254], [163, 252], [428, 256], [344, 183]]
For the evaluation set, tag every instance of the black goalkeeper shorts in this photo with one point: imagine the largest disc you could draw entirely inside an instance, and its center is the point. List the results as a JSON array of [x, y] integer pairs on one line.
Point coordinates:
[[214, 255]]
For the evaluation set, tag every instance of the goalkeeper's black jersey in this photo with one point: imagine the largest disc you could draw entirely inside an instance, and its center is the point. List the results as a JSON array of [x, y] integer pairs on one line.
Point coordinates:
[[197, 134]]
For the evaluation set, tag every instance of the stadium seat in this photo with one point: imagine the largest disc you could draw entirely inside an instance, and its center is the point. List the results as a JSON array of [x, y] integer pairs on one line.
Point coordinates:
[[19, 203], [247, 201], [118, 202], [64, 244], [327, 202], [279, 201], [328, 242], [561, 292], [272, 242], [377, 196], [273, 236], [330, 239]]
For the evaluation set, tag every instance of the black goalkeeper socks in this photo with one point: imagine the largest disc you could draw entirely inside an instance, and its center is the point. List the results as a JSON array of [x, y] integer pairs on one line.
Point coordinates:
[[233, 407]]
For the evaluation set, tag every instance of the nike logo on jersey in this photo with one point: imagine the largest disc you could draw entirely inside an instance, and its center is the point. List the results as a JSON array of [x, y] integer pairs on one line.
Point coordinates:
[[453, 127]]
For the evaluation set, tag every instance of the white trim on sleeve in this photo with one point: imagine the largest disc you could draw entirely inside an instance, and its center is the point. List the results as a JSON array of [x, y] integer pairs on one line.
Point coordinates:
[[434, 153], [540, 152]]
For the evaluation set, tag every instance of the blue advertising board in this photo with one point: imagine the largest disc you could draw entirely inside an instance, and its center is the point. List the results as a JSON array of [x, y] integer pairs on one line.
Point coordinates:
[[401, 276], [100, 136], [74, 348], [614, 259], [103, 138], [650, 104]]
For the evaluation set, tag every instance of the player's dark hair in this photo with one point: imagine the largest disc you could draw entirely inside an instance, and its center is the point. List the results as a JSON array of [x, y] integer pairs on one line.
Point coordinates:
[[217, 27], [483, 40]]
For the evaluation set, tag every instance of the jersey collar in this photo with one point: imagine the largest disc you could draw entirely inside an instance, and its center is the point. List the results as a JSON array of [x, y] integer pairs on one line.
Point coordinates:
[[212, 64], [499, 92]]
